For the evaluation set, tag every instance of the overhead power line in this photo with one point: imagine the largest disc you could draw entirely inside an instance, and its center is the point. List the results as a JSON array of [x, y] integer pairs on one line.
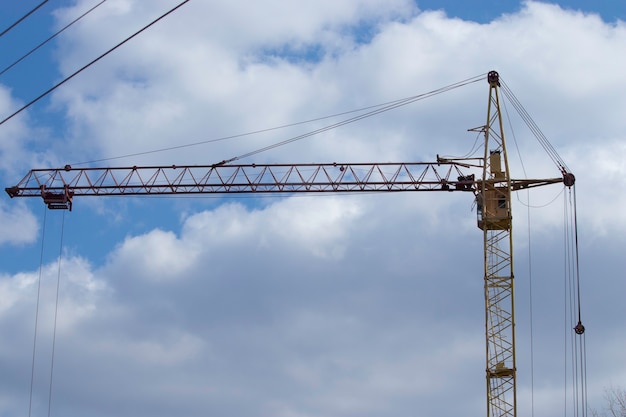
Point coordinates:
[[21, 19], [66, 79], [50, 38]]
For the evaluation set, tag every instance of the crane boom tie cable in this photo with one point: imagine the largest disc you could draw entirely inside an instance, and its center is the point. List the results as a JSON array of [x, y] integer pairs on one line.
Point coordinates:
[[550, 150], [378, 108], [391, 106], [235, 136], [66, 79]]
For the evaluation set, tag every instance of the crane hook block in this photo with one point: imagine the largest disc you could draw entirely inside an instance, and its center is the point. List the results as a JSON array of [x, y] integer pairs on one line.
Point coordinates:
[[579, 329]]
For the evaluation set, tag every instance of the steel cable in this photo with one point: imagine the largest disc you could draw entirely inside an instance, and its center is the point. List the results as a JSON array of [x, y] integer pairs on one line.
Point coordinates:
[[379, 108], [21, 19], [385, 108], [551, 151], [56, 313], [50, 38], [66, 79], [32, 370]]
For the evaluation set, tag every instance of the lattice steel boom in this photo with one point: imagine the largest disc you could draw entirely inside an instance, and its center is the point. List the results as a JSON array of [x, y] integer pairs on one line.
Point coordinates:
[[58, 186]]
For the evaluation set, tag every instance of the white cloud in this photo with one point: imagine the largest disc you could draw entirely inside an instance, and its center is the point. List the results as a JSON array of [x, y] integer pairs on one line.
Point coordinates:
[[32, 295], [12, 135], [18, 224], [157, 256], [312, 306]]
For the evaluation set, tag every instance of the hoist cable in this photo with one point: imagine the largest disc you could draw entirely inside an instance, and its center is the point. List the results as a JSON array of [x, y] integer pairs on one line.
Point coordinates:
[[56, 313], [391, 106], [577, 266], [50, 38], [21, 19], [32, 370], [579, 328], [66, 79], [573, 317], [583, 368], [530, 312], [573, 304], [567, 313], [566, 334]]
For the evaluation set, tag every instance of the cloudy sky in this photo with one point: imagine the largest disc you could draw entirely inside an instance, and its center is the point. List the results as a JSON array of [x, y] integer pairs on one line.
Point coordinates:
[[307, 306]]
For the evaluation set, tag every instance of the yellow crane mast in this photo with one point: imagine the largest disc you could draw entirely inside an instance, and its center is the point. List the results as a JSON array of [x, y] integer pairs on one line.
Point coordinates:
[[495, 220], [488, 178]]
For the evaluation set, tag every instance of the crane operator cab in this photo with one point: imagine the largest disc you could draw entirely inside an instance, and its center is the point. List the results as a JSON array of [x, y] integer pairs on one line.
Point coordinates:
[[493, 198]]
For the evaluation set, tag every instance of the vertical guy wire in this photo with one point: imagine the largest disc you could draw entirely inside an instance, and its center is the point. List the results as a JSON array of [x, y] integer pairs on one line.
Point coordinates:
[[575, 350], [530, 269], [566, 304], [32, 370], [573, 310], [580, 330], [530, 308], [56, 311]]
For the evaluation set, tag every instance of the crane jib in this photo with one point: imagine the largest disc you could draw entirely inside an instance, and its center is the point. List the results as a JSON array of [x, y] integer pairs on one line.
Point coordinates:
[[58, 187]]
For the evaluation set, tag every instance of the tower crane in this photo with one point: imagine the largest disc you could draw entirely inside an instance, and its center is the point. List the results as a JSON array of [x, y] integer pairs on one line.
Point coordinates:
[[487, 178]]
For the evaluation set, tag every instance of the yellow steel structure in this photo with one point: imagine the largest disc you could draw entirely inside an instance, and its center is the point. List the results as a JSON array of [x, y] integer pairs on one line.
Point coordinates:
[[492, 191], [495, 220]]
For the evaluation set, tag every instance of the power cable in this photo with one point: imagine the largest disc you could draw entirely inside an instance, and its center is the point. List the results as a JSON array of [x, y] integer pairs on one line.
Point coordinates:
[[91, 63], [50, 38], [21, 19]]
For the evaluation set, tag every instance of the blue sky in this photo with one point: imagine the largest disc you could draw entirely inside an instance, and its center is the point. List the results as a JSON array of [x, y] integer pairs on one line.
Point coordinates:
[[485, 11], [304, 306]]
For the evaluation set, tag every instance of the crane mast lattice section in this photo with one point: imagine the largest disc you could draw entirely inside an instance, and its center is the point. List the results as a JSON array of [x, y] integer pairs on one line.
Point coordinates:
[[495, 220]]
